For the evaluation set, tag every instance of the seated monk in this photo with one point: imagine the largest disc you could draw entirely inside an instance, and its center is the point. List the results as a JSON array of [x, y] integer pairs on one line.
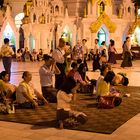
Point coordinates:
[[27, 96]]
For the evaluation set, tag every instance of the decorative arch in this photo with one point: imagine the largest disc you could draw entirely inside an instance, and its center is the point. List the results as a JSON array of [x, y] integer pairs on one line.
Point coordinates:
[[108, 2], [67, 34], [134, 30], [103, 19], [103, 35], [31, 42]]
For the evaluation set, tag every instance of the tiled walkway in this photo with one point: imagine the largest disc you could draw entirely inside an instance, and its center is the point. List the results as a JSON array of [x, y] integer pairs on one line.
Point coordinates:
[[14, 131]]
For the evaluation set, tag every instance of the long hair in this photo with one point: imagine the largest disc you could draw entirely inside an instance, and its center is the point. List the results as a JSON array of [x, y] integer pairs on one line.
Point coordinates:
[[109, 76], [68, 85]]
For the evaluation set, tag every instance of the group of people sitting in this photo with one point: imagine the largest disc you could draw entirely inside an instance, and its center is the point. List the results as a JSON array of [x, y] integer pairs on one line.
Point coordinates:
[[66, 86], [107, 95], [26, 55]]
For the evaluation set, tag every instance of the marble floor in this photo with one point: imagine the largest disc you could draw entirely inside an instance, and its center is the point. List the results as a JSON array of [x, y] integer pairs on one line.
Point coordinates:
[[14, 131]]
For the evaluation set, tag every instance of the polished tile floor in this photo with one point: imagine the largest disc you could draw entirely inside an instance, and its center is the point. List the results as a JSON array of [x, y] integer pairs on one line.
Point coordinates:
[[14, 131]]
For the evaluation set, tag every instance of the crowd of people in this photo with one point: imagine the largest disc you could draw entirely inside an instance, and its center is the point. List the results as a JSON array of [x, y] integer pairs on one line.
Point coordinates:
[[70, 77]]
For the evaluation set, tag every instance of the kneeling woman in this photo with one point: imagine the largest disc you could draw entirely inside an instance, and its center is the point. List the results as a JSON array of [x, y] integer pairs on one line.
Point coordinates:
[[64, 98], [105, 97]]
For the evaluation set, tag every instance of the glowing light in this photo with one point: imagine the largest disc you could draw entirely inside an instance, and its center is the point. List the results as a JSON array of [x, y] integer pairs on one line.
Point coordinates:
[[18, 19]]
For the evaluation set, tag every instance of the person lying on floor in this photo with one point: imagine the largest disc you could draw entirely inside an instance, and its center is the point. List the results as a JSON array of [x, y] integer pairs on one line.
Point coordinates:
[[65, 96], [26, 95], [8, 89], [120, 79]]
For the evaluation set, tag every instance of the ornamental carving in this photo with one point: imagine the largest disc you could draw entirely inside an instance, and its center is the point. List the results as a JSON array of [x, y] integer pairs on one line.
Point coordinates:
[[133, 27], [103, 19], [99, 1]]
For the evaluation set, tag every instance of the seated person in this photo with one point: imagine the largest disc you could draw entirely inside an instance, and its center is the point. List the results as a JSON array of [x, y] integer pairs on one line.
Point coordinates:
[[65, 96], [104, 84], [7, 88], [75, 74], [103, 71], [104, 93], [26, 95]]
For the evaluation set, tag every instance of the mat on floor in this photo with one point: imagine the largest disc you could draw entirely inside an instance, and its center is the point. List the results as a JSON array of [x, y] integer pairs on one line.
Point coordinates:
[[99, 120]]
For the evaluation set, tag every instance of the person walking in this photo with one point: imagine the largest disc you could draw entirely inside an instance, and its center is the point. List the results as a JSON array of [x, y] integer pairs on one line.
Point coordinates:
[[7, 53], [112, 52], [127, 58]]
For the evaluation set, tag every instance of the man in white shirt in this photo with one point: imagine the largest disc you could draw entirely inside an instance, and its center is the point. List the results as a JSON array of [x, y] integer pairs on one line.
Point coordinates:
[[58, 56], [96, 47], [85, 49], [46, 73]]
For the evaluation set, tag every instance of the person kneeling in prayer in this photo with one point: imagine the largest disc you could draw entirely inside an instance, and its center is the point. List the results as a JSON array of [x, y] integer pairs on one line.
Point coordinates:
[[65, 96]]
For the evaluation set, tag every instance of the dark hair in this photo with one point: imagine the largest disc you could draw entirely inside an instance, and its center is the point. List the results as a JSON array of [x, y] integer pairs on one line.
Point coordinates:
[[67, 43], [61, 42], [74, 64], [102, 69], [79, 61], [3, 74], [125, 81], [127, 37], [112, 42], [68, 85], [109, 76], [25, 73], [84, 40], [103, 43], [117, 101], [6, 40], [46, 57], [97, 40]]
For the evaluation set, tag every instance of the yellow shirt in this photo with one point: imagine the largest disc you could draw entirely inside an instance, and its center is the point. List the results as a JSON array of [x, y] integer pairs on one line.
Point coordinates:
[[103, 88], [6, 51]]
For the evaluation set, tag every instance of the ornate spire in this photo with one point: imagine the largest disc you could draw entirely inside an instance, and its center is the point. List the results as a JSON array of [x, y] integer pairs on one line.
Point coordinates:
[[66, 12]]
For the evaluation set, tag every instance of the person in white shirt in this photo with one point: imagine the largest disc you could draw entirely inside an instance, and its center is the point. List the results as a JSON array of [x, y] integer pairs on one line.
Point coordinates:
[[65, 96], [104, 47], [58, 56], [85, 48], [96, 47], [46, 73]]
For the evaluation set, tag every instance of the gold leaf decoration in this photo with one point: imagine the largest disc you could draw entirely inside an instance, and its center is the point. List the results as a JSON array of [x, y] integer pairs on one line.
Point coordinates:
[[99, 1], [134, 25], [103, 19]]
